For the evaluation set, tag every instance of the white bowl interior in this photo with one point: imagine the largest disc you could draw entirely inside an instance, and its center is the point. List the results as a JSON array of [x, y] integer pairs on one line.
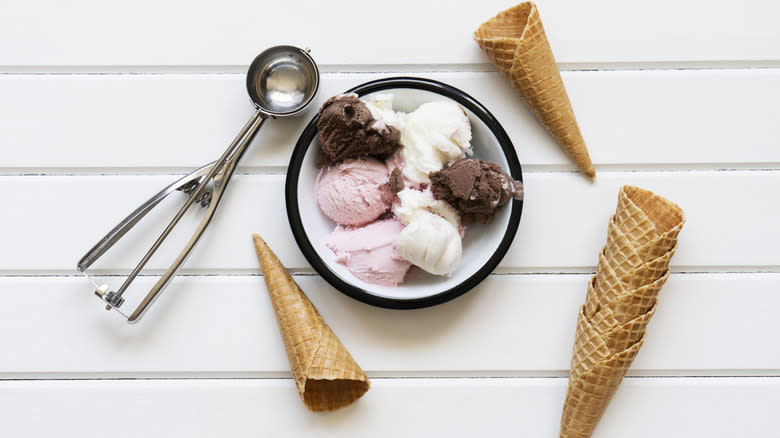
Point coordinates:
[[480, 241]]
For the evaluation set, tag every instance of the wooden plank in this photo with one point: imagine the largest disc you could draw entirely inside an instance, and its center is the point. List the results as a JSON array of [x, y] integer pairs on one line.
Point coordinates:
[[510, 326], [630, 119], [714, 407], [562, 229], [178, 32]]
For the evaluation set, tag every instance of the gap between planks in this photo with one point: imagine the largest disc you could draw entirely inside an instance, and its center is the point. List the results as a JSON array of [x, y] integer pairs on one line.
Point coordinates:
[[387, 68], [282, 170], [385, 375], [309, 272]]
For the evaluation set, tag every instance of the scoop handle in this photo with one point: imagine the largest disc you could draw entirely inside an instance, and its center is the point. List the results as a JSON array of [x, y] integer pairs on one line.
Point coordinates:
[[133, 218], [220, 173]]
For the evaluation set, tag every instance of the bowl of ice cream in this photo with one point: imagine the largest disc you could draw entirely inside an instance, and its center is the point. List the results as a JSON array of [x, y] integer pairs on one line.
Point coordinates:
[[404, 192]]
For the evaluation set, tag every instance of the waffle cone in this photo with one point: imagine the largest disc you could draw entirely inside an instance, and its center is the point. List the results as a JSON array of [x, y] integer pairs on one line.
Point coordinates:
[[621, 336], [589, 394], [516, 43], [589, 348], [325, 373], [665, 215], [638, 301], [633, 222], [662, 244], [648, 272], [620, 302], [606, 282], [592, 300], [621, 308], [620, 252]]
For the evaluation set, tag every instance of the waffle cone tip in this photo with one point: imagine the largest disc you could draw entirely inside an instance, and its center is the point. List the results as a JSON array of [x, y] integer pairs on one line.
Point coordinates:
[[326, 375]]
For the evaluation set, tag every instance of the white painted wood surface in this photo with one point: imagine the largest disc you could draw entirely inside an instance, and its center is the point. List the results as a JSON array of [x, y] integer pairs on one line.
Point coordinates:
[[201, 33], [509, 326], [554, 234], [157, 123], [644, 408], [103, 103]]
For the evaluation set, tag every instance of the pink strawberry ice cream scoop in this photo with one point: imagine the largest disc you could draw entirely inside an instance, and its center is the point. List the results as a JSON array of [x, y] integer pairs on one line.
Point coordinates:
[[354, 192], [369, 252]]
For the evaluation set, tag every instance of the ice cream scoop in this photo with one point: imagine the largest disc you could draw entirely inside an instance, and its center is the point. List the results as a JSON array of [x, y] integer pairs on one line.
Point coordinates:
[[432, 243], [369, 252], [381, 107], [346, 129], [413, 204], [354, 191], [281, 81], [476, 188], [434, 135]]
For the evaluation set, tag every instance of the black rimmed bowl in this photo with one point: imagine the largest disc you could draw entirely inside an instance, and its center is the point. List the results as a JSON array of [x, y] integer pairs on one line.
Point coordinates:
[[483, 245]]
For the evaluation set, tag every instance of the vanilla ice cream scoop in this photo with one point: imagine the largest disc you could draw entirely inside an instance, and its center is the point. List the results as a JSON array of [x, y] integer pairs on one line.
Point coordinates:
[[381, 107], [415, 203], [432, 136], [432, 243]]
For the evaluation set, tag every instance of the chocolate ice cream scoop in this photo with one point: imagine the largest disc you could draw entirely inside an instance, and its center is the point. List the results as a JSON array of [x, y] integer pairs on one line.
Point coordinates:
[[476, 188], [346, 129]]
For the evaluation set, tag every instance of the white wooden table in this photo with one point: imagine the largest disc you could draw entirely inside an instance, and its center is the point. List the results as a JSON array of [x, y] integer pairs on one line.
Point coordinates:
[[102, 103]]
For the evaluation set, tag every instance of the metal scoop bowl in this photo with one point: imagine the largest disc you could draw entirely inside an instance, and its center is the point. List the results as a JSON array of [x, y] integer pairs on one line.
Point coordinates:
[[281, 81]]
